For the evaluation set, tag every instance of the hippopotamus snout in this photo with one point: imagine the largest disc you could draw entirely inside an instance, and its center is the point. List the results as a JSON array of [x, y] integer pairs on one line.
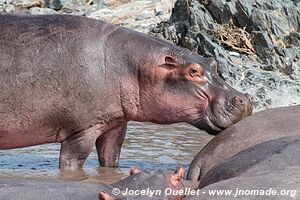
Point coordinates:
[[222, 112], [243, 102], [227, 110]]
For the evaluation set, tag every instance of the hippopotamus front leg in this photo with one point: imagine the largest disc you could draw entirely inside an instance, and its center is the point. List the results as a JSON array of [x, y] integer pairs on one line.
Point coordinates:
[[75, 149], [109, 145]]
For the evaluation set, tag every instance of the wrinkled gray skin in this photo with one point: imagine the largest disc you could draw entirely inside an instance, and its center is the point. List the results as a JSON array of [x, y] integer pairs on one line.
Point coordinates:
[[262, 126], [78, 81], [270, 156], [287, 179]]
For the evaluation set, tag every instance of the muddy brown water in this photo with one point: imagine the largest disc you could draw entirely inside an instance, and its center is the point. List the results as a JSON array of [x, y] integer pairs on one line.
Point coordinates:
[[147, 146]]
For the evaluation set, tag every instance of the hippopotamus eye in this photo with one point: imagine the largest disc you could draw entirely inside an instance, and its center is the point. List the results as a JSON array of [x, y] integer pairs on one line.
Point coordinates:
[[196, 71]]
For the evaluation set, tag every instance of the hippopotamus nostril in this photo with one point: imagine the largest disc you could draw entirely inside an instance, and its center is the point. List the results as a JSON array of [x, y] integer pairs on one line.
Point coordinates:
[[237, 101], [244, 103]]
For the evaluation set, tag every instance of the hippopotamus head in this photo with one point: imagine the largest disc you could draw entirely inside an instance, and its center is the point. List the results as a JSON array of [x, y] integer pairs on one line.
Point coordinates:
[[177, 85]]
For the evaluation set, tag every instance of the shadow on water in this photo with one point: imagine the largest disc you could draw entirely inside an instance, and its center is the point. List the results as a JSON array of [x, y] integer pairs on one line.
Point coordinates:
[[147, 146]]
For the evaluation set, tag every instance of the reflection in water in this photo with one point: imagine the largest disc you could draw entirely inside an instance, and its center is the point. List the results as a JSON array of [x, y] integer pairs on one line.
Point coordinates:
[[147, 146]]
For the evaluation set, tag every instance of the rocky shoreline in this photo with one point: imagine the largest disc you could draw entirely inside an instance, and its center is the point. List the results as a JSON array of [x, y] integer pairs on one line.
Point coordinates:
[[138, 15]]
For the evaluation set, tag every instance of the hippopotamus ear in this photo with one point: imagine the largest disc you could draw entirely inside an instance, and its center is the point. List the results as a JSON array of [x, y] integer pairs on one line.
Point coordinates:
[[167, 60], [214, 64]]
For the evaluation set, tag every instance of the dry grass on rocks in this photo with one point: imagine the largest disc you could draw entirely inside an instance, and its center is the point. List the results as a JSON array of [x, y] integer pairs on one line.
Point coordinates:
[[235, 38]]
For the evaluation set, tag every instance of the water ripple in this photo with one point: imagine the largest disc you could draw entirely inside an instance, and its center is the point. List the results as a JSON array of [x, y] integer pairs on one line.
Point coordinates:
[[147, 146]]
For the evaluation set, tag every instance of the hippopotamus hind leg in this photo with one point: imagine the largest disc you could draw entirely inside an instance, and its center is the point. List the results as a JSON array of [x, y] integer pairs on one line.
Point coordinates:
[[75, 149], [109, 145]]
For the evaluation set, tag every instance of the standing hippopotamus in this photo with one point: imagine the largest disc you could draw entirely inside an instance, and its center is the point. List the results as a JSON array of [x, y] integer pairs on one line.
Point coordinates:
[[260, 127], [78, 81]]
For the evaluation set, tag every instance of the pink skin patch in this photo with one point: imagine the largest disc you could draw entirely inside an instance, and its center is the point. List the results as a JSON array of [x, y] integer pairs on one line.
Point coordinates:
[[134, 170]]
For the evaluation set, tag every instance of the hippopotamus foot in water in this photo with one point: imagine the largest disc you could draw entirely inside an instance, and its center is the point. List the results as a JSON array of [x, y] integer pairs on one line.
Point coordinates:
[[97, 78], [260, 127], [153, 181], [109, 145]]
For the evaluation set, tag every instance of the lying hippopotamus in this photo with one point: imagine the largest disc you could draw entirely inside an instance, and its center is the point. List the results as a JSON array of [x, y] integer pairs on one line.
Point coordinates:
[[270, 156], [273, 185], [261, 126], [78, 81]]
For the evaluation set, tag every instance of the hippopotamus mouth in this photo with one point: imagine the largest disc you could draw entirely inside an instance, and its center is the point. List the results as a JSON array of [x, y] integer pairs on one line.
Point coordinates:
[[222, 112]]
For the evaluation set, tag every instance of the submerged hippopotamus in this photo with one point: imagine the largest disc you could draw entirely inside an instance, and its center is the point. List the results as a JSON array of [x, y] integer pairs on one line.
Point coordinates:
[[34, 189], [169, 184], [260, 127], [30, 189], [78, 81]]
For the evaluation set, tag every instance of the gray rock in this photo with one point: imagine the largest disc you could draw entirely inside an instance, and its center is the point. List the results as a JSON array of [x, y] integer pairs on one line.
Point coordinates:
[[41, 11], [230, 8], [9, 8], [53, 4], [293, 39], [159, 13], [244, 9], [216, 9], [25, 3], [145, 15], [128, 21], [261, 40], [73, 4], [101, 14], [78, 12]]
